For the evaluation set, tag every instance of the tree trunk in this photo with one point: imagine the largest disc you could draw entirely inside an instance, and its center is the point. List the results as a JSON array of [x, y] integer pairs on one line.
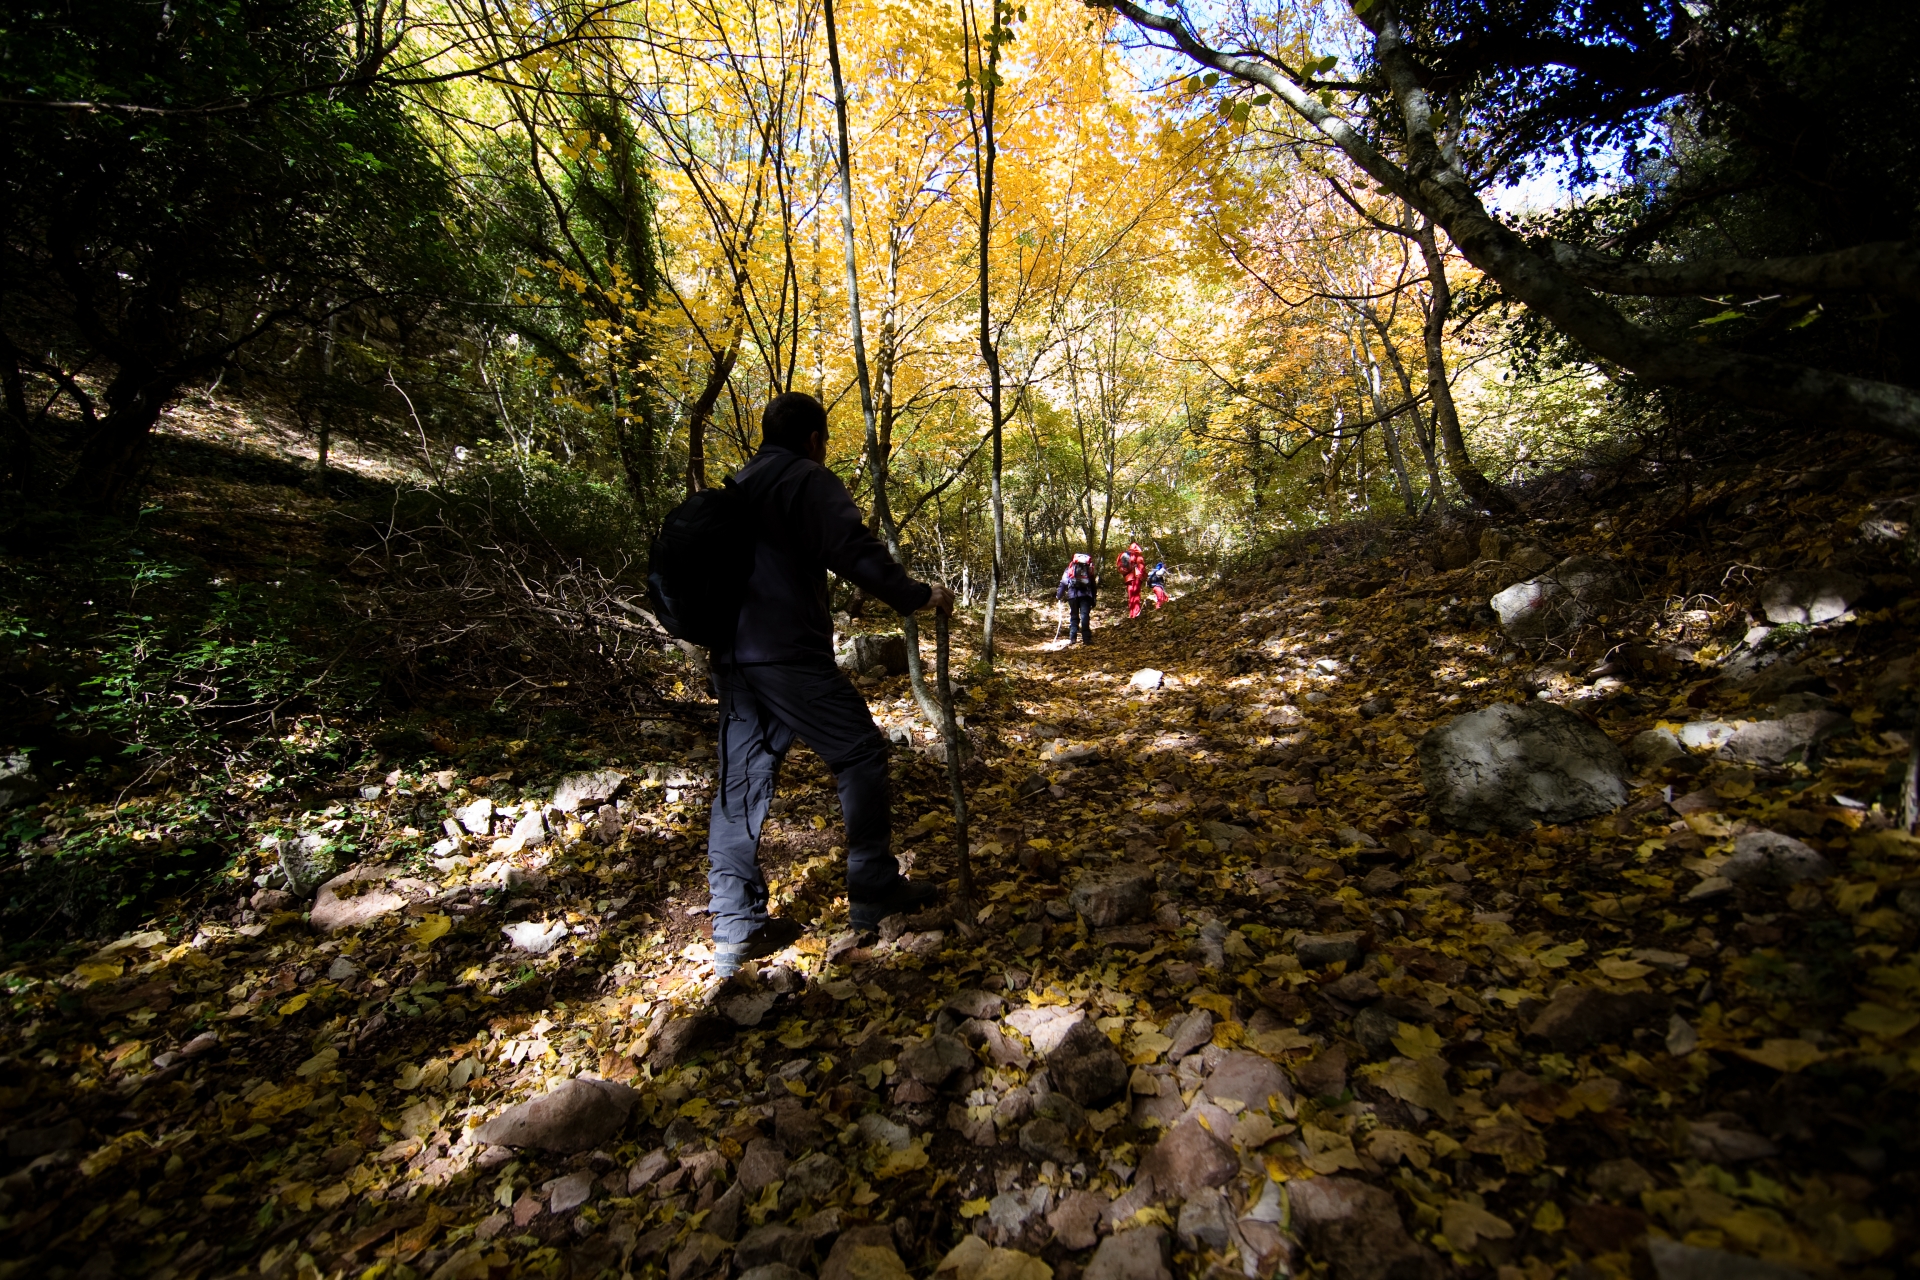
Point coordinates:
[[1483, 493], [935, 711], [110, 460], [989, 352], [701, 415]]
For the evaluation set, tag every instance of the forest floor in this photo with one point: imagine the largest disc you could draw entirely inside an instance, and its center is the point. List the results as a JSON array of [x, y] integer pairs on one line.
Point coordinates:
[[1325, 1030]]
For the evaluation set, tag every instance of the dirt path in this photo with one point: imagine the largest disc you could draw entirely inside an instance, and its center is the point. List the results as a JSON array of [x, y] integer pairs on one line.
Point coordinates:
[[1227, 871]]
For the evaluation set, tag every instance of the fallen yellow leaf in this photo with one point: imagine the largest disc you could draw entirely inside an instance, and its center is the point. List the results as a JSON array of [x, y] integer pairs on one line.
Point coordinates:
[[1878, 1020], [973, 1208], [1624, 970], [430, 929], [1786, 1056]]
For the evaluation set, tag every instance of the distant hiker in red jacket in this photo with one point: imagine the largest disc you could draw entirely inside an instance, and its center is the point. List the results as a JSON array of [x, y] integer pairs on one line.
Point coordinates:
[[1132, 564]]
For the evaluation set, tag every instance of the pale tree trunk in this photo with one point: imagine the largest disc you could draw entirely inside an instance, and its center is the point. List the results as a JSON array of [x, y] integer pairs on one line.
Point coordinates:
[[1370, 375], [877, 460]]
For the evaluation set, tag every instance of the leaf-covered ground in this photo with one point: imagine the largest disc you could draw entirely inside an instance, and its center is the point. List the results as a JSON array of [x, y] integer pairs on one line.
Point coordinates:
[[252, 1095]]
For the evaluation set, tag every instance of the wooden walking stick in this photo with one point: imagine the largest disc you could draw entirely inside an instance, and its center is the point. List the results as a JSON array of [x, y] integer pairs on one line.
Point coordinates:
[[956, 745]]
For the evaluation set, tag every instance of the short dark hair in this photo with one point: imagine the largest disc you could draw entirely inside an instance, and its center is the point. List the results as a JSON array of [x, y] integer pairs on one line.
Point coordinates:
[[791, 419]]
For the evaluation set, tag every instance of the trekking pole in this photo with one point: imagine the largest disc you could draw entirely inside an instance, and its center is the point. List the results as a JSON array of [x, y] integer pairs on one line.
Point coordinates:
[[950, 731], [1059, 617]]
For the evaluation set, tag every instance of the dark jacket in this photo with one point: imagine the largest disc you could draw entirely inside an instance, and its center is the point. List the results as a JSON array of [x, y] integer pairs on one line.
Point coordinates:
[[1077, 588], [808, 525]]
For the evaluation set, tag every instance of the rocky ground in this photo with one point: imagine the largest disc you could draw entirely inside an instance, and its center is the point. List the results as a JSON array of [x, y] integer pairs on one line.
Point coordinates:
[[1527, 900]]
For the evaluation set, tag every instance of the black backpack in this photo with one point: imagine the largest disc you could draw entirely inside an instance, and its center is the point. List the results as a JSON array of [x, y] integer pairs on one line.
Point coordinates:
[[699, 564]]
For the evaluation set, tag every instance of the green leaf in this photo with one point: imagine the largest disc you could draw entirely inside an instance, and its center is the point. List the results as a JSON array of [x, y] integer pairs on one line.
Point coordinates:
[[1210, 79], [1729, 314]]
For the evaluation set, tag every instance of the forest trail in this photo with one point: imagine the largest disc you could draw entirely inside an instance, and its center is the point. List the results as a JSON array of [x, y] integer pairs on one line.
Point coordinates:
[[1282, 1015]]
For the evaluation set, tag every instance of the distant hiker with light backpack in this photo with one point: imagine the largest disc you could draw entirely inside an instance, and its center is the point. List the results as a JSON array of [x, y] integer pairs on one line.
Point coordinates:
[[1079, 587], [747, 569]]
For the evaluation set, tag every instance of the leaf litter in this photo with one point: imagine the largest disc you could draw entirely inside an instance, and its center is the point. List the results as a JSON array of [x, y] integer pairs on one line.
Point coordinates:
[[1580, 1049]]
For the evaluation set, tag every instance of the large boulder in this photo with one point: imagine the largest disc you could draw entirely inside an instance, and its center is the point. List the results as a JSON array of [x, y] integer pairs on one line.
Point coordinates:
[[873, 655], [1767, 742], [1771, 859], [1559, 603], [578, 1116], [1810, 595], [1514, 764]]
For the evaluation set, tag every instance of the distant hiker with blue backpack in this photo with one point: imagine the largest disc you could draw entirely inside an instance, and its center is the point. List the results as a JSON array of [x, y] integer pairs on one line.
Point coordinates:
[[743, 570], [1079, 587]]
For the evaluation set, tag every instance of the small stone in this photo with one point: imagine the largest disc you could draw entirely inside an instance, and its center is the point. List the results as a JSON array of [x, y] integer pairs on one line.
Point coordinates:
[[974, 1003], [1769, 858], [774, 1243], [810, 1178], [1189, 1033], [534, 937], [1045, 1139], [1187, 1159], [1085, 1066], [864, 1253], [878, 1131], [578, 791], [747, 1009], [1382, 881], [1721, 1144], [1146, 678], [1139, 1254], [1076, 1219], [1045, 1026], [1675, 1261], [1206, 1223], [1654, 748], [1375, 1029], [683, 1037], [578, 1116], [762, 1163], [332, 912], [568, 1193], [1116, 895], [772, 1271], [935, 1060], [1324, 1076], [1318, 950], [1249, 1079], [699, 1255], [1621, 1179], [476, 817], [1374, 707], [647, 1168], [1357, 1229], [1353, 988], [1579, 1016]]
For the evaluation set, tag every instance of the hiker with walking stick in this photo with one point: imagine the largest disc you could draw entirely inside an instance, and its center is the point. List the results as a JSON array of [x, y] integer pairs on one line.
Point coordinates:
[[1078, 588], [777, 683]]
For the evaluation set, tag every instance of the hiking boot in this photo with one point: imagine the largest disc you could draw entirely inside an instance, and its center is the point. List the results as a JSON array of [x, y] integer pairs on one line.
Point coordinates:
[[762, 942], [904, 895]]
